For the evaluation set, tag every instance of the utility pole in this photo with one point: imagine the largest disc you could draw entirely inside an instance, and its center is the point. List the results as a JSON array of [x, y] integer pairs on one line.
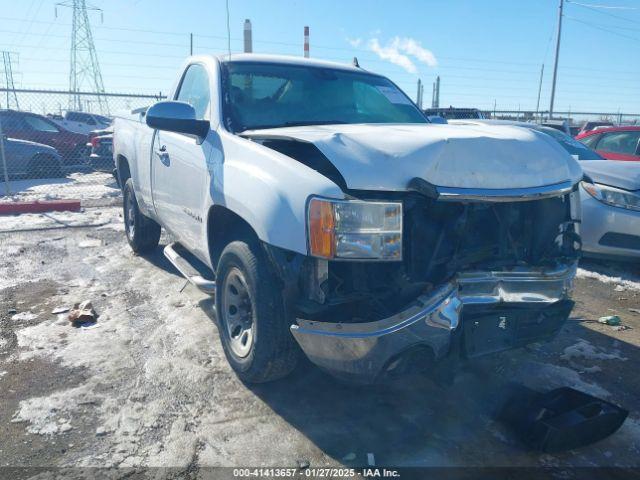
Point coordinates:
[[8, 80], [555, 63], [248, 37], [84, 72], [539, 89], [306, 42]]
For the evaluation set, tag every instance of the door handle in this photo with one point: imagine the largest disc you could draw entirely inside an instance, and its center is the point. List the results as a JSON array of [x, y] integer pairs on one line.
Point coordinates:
[[163, 155]]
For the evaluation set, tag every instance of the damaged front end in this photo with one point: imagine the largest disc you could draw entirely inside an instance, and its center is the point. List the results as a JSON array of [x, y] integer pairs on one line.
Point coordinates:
[[472, 273]]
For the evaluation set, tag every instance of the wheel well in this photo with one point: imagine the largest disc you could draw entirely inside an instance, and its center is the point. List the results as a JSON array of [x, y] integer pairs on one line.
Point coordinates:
[[124, 173], [225, 226]]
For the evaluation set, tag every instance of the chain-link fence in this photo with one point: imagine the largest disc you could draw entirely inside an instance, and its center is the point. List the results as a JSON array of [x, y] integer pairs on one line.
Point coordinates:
[[48, 151], [572, 118]]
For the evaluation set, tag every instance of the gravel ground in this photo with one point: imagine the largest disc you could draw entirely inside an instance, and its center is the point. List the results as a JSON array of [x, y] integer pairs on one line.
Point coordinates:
[[147, 385]]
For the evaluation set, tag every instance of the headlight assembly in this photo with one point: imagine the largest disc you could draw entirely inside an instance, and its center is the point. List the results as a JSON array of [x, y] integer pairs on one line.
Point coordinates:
[[354, 230], [612, 196]]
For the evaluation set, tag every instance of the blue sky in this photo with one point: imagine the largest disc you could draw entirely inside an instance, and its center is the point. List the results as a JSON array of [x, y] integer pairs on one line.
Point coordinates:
[[485, 51]]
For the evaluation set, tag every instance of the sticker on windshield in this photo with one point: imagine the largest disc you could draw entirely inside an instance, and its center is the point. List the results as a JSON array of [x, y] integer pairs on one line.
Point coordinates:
[[393, 95]]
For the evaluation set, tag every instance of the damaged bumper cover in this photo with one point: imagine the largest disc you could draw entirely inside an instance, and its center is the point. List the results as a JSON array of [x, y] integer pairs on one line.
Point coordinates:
[[504, 309]]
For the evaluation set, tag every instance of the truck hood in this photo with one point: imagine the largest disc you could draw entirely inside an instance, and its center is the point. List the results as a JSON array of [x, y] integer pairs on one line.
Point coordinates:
[[389, 156]]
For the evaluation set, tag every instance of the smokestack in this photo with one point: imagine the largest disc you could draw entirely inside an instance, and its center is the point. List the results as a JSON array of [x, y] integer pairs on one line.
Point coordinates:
[[435, 98], [306, 42], [248, 38]]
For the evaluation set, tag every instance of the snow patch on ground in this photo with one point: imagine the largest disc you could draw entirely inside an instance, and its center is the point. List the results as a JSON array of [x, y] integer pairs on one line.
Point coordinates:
[[556, 376], [154, 389], [584, 349], [2, 374], [94, 185], [52, 414], [616, 280], [108, 217]]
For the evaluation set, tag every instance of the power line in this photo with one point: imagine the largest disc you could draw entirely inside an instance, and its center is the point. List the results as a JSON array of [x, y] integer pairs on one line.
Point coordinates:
[[582, 5], [612, 32]]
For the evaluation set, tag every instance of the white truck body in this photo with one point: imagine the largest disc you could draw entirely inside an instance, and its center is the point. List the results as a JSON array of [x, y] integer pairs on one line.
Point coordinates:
[[179, 180]]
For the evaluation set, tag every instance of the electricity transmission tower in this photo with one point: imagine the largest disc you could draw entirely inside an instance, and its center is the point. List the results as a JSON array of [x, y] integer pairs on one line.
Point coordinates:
[[8, 80], [84, 71]]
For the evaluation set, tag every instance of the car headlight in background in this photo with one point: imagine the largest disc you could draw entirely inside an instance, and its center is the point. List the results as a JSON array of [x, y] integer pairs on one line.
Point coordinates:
[[354, 229], [612, 196]]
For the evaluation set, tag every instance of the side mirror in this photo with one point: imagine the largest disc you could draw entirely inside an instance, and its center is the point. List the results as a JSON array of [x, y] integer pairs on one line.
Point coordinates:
[[179, 117]]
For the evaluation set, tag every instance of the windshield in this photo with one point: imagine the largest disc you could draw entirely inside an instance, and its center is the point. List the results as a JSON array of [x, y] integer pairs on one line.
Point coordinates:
[[265, 95], [574, 147]]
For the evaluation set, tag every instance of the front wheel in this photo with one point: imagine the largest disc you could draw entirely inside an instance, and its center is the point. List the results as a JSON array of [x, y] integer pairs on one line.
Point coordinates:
[[143, 234], [251, 316]]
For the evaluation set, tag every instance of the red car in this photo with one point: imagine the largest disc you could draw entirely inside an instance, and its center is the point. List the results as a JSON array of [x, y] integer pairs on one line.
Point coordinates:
[[36, 128], [614, 143]]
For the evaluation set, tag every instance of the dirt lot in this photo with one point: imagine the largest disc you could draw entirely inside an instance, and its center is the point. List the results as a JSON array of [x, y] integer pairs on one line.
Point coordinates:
[[148, 385]]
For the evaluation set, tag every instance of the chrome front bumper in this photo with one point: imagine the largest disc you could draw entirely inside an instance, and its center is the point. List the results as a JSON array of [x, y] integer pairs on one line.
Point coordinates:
[[361, 351]]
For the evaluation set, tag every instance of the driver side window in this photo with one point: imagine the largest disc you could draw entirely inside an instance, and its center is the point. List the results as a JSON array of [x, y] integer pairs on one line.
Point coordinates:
[[195, 91]]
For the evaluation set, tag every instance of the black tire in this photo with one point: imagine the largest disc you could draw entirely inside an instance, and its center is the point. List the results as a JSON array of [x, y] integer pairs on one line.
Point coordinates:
[[273, 353], [44, 166], [143, 234]]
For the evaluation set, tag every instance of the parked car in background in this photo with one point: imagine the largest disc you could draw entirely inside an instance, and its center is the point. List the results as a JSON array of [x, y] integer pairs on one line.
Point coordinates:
[[561, 125], [611, 209], [614, 143], [82, 122], [100, 148], [574, 130], [592, 125], [30, 159], [36, 128], [609, 197]]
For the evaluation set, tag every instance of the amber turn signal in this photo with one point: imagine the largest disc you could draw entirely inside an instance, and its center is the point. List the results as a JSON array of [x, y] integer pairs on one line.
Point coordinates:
[[322, 234]]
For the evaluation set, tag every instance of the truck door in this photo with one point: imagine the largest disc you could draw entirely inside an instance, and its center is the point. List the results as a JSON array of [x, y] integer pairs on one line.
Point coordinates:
[[179, 166]]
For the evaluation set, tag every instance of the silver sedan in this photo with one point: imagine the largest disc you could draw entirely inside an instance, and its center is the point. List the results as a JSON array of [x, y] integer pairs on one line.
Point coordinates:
[[611, 208]]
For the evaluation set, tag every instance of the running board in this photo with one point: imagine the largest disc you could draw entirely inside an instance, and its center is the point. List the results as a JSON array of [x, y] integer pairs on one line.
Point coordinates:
[[188, 271]]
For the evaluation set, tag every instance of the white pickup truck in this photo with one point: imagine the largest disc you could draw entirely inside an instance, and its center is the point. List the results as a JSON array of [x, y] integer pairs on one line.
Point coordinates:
[[330, 218]]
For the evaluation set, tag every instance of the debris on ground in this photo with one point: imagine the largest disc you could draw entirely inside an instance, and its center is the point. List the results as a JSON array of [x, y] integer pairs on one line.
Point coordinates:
[[621, 328], [82, 313], [634, 310], [92, 243], [349, 457], [612, 320], [58, 310], [24, 317], [12, 311], [302, 464]]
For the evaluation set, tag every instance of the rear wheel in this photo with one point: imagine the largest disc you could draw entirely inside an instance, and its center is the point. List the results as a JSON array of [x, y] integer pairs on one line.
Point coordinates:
[[251, 316], [143, 234]]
